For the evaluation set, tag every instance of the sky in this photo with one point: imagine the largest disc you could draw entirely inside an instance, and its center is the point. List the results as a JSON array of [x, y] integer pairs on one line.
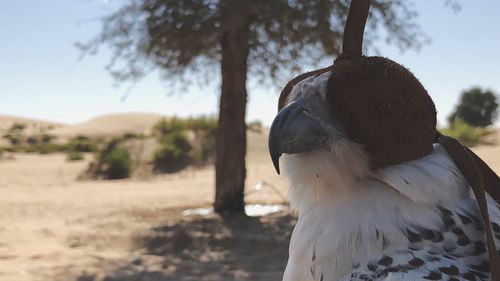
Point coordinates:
[[42, 75]]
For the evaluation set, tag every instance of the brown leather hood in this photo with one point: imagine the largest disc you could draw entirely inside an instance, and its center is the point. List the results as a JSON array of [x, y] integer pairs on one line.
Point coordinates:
[[383, 106]]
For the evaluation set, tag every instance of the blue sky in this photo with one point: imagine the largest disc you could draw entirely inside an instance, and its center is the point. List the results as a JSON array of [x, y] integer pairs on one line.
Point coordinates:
[[41, 75]]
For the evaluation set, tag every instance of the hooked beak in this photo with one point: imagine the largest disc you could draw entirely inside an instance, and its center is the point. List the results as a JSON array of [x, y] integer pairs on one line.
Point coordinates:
[[294, 130]]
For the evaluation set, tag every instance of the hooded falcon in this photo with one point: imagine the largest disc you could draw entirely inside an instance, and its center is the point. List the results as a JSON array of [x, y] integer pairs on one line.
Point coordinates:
[[378, 195]]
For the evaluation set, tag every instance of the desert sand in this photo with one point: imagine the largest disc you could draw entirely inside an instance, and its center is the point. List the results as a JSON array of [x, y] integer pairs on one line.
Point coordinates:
[[110, 125], [7, 121], [55, 227]]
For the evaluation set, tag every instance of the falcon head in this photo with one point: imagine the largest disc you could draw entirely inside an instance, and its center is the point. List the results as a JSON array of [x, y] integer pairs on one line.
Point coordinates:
[[358, 115]]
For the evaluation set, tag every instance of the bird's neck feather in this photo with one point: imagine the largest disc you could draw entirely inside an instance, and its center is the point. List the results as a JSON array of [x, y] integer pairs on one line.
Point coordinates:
[[348, 212]]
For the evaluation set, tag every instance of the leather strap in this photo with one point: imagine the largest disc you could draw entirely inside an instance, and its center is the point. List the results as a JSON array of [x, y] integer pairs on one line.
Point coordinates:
[[354, 28], [481, 179]]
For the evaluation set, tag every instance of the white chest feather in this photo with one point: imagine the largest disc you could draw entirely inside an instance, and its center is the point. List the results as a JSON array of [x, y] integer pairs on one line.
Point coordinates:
[[349, 216]]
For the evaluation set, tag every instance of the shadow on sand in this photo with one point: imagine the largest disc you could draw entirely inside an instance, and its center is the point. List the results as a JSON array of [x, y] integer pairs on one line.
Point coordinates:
[[207, 248]]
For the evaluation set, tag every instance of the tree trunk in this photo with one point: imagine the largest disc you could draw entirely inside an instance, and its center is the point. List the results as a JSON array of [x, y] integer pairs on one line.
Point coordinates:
[[230, 168]]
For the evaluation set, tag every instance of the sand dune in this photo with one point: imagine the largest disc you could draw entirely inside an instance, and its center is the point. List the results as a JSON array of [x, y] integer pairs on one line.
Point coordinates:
[[111, 125], [7, 121], [33, 126], [103, 126]]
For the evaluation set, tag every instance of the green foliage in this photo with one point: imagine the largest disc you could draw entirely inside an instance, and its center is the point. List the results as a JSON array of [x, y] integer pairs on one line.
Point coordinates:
[[112, 162], [17, 127], [255, 126], [131, 135], [40, 143], [9, 149], [180, 37], [205, 140], [39, 139], [46, 148], [166, 126], [205, 130], [202, 123], [46, 138], [74, 156], [203, 151], [119, 164], [82, 144], [174, 124], [173, 153], [13, 138], [42, 148], [477, 108], [32, 140], [466, 133], [15, 134]]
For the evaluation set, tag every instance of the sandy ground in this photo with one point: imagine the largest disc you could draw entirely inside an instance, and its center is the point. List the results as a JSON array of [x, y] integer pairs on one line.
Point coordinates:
[[53, 227]]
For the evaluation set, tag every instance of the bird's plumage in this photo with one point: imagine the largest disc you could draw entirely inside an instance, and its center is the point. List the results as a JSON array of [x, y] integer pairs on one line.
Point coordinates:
[[412, 221]]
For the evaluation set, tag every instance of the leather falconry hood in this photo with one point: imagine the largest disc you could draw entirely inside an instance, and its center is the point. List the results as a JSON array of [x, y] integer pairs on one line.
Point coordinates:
[[383, 106]]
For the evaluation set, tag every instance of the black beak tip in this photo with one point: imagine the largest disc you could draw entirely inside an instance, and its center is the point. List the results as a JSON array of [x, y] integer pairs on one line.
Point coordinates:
[[274, 142], [276, 162]]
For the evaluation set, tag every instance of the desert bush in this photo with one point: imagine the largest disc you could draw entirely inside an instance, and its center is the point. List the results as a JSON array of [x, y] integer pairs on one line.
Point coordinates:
[[203, 151], [13, 139], [9, 149], [39, 139], [32, 140], [118, 164], [17, 127], [46, 148], [74, 156], [15, 134], [132, 135], [46, 138], [82, 144], [34, 143], [41, 148], [255, 126], [465, 133], [13, 148], [173, 153], [201, 123], [205, 130], [111, 162], [166, 126]]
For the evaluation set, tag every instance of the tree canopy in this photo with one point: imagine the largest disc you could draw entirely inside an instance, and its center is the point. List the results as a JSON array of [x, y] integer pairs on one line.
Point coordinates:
[[477, 107], [182, 37]]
